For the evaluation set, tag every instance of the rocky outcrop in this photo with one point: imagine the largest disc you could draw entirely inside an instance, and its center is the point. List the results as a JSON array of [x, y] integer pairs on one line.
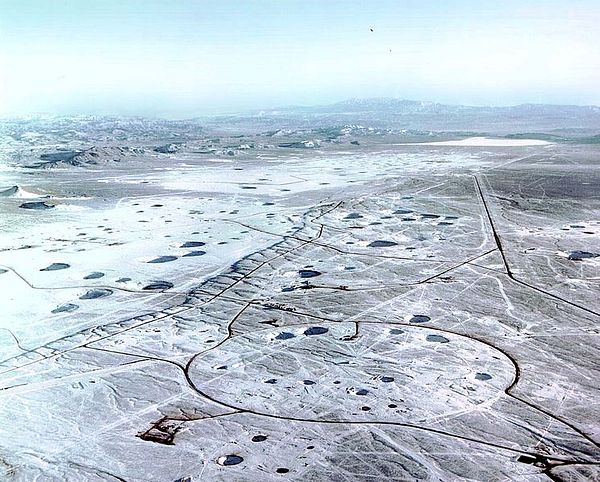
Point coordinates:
[[86, 158]]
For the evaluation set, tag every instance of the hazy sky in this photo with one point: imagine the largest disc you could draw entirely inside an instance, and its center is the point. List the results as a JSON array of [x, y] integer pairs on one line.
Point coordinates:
[[179, 58]]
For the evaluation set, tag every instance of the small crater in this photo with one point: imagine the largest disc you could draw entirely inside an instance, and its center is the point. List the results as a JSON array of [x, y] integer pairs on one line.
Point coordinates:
[[158, 286], [231, 459], [163, 259], [37, 205], [66, 308], [357, 391], [315, 330], [308, 273], [382, 244], [192, 244], [96, 293], [579, 255], [437, 339], [56, 267], [194, 253]]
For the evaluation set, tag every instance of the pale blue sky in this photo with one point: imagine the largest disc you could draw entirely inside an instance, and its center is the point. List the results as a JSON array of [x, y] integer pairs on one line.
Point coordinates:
[[180, 58]]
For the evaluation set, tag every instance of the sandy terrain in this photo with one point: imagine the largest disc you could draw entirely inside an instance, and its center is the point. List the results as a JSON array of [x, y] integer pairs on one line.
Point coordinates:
[[381, 312], [484, 142]]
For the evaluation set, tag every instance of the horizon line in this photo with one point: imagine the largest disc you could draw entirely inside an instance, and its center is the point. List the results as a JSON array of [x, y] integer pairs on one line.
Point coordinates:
[[258, 111]]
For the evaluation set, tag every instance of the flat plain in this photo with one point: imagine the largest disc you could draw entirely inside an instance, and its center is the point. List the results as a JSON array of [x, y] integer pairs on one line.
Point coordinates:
[[399, 308]]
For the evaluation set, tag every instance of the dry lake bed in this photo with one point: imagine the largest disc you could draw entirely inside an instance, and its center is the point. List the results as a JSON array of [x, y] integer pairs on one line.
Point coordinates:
[[251, 310]]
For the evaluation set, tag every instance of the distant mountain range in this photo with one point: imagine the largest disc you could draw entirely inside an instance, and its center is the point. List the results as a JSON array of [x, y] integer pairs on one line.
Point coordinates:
[[382, 104], [409, 114], [542, 121]]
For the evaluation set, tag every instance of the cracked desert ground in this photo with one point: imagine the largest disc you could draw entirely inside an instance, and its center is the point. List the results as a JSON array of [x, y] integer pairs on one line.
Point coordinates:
[[376, 312]]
